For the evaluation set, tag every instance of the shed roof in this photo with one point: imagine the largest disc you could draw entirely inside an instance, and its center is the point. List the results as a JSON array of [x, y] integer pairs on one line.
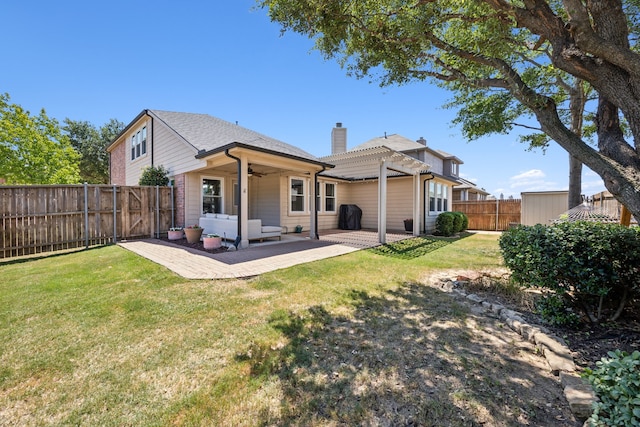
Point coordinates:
[[587, 212]]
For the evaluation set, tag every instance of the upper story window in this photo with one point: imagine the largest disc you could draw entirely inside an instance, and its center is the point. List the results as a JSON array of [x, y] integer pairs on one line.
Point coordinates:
[[297, 190], [139, 143], [454, 168]]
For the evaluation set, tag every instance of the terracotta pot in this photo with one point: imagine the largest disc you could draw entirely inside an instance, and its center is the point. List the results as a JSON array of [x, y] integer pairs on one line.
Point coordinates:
[[193, 234], [175, 235], [212, 242]]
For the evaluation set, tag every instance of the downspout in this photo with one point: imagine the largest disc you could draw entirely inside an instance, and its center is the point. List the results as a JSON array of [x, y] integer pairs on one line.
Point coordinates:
[[237, 159], [315, 186]]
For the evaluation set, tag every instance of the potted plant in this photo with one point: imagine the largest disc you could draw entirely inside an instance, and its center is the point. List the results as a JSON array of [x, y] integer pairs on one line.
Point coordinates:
[[175, 233], [408, 224], [193, 233], [212, 241]]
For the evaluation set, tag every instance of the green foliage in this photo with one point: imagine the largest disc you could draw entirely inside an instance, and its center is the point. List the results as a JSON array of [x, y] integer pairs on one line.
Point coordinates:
[[460, 222], [616, 382], [33, 149], [91, 143], [593, 267], [445, 224], [154, 175], [555, 311]]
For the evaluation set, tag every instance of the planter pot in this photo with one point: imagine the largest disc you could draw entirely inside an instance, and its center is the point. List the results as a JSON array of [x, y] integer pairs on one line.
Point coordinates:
[[193, 234], [212, 242], [175, 235], [408, 225]]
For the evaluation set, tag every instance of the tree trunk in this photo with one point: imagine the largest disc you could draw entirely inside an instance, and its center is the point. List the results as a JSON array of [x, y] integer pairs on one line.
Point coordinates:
[[577, 104]]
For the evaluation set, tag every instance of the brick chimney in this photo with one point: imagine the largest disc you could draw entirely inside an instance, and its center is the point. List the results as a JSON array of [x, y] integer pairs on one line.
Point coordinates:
[[338, 139], [422, 141]]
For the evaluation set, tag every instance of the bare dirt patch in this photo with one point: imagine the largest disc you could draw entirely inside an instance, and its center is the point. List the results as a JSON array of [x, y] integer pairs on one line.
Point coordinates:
[[410, 357]]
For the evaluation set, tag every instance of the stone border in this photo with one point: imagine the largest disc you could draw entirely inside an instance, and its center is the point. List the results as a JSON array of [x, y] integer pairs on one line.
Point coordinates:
[[577, 391]]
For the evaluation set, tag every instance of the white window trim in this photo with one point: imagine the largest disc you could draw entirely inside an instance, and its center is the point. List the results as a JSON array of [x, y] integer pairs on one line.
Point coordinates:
[[222, 197], [323, 187], [305, 194], [444, 189], [136, 141]]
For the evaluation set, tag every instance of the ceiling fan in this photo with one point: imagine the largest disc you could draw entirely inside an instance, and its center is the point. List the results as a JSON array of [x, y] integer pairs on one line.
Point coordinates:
[[250, 172]]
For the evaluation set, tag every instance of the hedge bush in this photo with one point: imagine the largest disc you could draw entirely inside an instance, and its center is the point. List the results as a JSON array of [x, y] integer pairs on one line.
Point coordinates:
[[616, 382], [444, 224], [593, 267], [154, 175]]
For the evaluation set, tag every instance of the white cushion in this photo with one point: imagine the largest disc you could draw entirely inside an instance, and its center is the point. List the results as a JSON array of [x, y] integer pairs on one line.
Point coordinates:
[[233, 217], [222, 216], [210, 215]]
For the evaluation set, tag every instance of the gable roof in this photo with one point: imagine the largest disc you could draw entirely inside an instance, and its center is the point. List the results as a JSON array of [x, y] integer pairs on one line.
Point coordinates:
[[210, 135]]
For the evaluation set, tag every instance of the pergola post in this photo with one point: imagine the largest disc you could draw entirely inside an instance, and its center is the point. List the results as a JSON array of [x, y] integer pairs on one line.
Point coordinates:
[[382, 203], [416, 204], [244, 202]]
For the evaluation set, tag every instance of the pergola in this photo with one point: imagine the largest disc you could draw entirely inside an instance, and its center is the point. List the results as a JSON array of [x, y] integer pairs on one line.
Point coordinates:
[[380, 163]]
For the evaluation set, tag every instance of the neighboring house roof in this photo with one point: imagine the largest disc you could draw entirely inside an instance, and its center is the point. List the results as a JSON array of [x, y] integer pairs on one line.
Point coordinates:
[[468, 185], [210, 135], [403, 144]]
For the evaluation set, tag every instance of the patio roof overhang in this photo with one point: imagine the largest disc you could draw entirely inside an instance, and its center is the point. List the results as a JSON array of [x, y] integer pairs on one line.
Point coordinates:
[[365, 164]]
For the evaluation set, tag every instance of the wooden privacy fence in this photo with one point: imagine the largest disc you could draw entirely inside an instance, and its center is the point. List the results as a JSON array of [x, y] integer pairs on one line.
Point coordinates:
[[490, 215], [46, 218]]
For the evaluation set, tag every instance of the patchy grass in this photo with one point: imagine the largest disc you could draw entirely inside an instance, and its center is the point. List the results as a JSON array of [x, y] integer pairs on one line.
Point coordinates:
[[104, 337]]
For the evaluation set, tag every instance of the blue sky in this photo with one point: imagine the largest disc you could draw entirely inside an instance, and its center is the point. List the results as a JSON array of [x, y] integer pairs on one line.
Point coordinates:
[[95, 61]]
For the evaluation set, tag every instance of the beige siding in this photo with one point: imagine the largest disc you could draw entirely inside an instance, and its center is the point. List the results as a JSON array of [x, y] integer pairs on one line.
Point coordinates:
[[264, 194], [173, 152], [542, 207]]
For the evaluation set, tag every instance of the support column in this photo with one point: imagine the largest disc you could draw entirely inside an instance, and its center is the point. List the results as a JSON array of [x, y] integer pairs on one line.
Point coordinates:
[[313, 226], [416, 204], [382, 203], [244, 202]]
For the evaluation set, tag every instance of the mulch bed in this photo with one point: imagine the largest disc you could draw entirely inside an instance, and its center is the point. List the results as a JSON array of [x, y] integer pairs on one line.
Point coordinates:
[[588, 342]]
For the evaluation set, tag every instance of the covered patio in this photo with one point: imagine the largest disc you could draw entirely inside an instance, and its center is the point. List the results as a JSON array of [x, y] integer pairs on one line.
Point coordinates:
[[258, 258]]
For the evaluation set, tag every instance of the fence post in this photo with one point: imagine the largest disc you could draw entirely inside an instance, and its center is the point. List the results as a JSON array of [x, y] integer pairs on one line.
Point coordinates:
[[497, 212], [86, 215], [115, 214]]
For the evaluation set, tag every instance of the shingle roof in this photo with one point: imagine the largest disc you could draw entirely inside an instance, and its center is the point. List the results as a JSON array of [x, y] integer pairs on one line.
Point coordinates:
[[207, 133]]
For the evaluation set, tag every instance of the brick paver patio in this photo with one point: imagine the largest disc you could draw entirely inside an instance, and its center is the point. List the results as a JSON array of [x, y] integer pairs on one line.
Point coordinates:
[[258, 258]]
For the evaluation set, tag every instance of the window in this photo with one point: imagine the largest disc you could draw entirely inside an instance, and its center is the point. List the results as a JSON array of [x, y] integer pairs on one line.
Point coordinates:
[[139, 143], [297, 189], [212, 195], [438, 197], [329, 197]]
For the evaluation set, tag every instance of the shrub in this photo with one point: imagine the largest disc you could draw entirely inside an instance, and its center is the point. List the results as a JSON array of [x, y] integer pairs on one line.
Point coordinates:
[[616, 382], [458, 219], [593, 267], [444, 224], [554, 311], [154, 175], [465, 221]]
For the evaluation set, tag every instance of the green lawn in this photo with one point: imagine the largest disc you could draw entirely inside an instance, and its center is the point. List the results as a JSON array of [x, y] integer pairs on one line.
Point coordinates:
[[104, 337]]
